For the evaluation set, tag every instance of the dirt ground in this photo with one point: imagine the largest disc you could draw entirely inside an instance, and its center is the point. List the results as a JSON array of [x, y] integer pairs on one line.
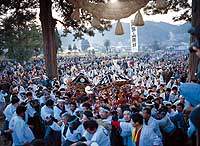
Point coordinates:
[[2, 143]]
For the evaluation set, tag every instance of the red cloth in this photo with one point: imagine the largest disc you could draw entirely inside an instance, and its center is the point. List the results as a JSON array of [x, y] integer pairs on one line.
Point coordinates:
[[138, 137], [115, 124]]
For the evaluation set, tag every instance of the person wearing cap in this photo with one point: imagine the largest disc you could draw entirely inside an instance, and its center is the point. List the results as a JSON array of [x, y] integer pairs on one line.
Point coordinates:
[[127, 136], [170, 111], [74, 131], [21, 133], [170, 83], [59, 108], [106, 117]]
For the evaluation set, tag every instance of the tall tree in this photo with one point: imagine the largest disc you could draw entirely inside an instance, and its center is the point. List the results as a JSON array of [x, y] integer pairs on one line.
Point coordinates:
[[107, 45], [20, 37], [70, 48]]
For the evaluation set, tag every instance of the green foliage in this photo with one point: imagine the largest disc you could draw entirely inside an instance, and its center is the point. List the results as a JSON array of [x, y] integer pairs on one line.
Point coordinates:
[[20, 40], [107, 45], [182, 6]]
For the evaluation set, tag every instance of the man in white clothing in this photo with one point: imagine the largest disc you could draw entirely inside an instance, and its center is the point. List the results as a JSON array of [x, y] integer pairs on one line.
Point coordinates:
[[100, 134], [21, 133]]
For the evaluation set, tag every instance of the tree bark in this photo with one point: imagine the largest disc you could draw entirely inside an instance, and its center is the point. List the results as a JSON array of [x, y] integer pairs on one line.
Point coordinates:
[[49, 41], [193, 59]]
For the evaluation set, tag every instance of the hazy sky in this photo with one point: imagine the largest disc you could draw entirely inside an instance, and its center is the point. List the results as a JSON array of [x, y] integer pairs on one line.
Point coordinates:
[[158, 18]]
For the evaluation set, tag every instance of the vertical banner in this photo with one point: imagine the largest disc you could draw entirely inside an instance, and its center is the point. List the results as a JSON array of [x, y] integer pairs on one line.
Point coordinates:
[[134, 38]]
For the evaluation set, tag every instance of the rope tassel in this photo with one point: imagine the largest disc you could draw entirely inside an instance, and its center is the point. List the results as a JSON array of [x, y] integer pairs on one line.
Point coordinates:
[[119, 28], [138, 21]]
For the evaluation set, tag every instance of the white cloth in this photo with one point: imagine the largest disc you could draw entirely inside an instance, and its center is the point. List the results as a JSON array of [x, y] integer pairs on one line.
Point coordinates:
[[166, 124], [154, 124], [148, 137], [46, 112], [76, 135], [9, 111], [21, 132], [100, 137]]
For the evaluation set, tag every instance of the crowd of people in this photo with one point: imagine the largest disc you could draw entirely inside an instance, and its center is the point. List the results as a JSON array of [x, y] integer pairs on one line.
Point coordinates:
[[149, 110]]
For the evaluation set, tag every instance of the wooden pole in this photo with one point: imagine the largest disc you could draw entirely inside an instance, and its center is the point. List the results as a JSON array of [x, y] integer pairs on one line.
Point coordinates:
[[49, 40], [193, 59]]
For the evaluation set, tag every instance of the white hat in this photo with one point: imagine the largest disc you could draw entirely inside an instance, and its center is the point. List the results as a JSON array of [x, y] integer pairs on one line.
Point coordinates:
[[15, 88], [149, 104], [60, 100], [88, 90], [167, 103]]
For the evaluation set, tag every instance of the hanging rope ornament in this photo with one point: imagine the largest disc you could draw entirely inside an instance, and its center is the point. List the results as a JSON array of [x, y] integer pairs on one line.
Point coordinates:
[[112, 11], [76, 15], [138, 21], [119, 28], [161, 4], [95, 22]]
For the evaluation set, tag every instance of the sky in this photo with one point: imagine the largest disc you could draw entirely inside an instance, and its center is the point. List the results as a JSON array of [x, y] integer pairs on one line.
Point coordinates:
[[157, 18]]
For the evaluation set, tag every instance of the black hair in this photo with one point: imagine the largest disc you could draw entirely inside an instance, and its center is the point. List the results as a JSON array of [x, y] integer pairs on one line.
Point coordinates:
[[73, 103], [181, 104], [88, 114], [105, 107], [49, 102], [148, 111], [14, 99], [137, 118], [87, 105], [29, 94], [163, 110], [20, 109], [91, 124], [174, 88], [168, 89]]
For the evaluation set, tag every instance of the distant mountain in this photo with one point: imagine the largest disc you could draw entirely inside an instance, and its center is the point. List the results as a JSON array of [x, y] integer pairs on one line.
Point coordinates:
[[164, 33]]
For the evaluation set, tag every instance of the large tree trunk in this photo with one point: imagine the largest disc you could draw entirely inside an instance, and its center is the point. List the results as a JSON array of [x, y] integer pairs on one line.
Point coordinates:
[[49, 41], [193, 60]]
